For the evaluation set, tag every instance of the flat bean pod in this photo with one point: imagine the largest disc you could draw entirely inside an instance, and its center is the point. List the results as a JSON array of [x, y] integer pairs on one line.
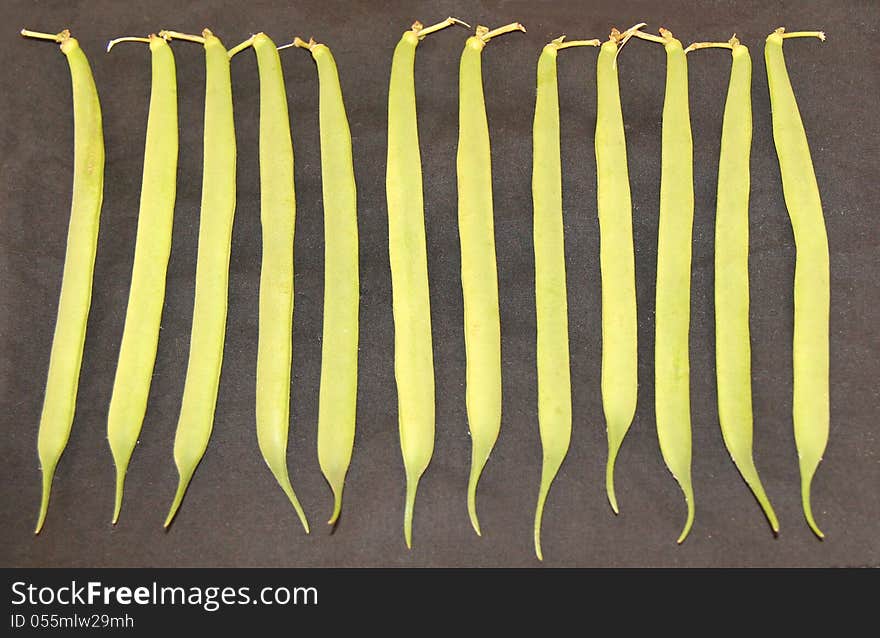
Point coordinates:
[[196, 418], [732, 347], [812, 287], [337, 405], [671, 364], [616, 258], [140, 336], [65, 359], [413, 354], [479, 277], [551, 299], [277, 217]]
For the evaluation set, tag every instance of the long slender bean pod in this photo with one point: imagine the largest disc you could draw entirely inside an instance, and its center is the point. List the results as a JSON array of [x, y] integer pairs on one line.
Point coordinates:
[[732, 347], [65, 359], [616, 258], [672, 365], [277, 217], [337, 406], [551, 301], [140, 336], [413, 355], [479, 277], [812, 288], [196, 418]]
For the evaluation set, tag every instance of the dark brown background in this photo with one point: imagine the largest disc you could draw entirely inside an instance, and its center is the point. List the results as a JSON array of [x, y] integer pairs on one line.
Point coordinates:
[[234, 514]]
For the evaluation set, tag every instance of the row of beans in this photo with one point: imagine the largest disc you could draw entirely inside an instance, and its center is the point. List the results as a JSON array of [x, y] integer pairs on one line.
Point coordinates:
[[414, 369]]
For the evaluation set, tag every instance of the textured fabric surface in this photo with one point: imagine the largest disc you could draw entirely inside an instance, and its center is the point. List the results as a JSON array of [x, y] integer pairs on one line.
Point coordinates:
[[234, 513]]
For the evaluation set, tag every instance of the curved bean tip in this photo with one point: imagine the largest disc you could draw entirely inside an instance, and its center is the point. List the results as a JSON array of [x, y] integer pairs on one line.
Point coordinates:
[[472, 513], [337, 509], [48, 473], [178, 498], [815, 527], [689, 522], [808, 508], [538, 551], [407, 533], [609, 487]]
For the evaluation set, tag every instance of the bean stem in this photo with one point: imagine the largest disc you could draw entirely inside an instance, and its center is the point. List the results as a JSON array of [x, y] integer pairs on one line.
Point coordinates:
[[422, 31], [128, 38], [800, 34], [59, 37], [177, 35], [240, 47]]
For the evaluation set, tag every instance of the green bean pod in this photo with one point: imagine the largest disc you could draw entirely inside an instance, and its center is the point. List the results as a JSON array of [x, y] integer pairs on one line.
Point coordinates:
[[337, 406], [732, 347], [413, 354], [812, 287], [140, 336], [277, 217], [479, 277], [65, 359], [616, 258], [551, 299], [671, 364], [196, 418]]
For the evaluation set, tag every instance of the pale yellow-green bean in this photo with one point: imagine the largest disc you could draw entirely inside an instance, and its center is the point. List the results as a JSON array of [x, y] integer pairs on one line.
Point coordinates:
[[62, 382], [140, 336], [673, 295], [413, 354], [616, 258], [277, 217], [732, 347], [337, 405], [812, 283], [479, 277], [196, 418], [551, 302]]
